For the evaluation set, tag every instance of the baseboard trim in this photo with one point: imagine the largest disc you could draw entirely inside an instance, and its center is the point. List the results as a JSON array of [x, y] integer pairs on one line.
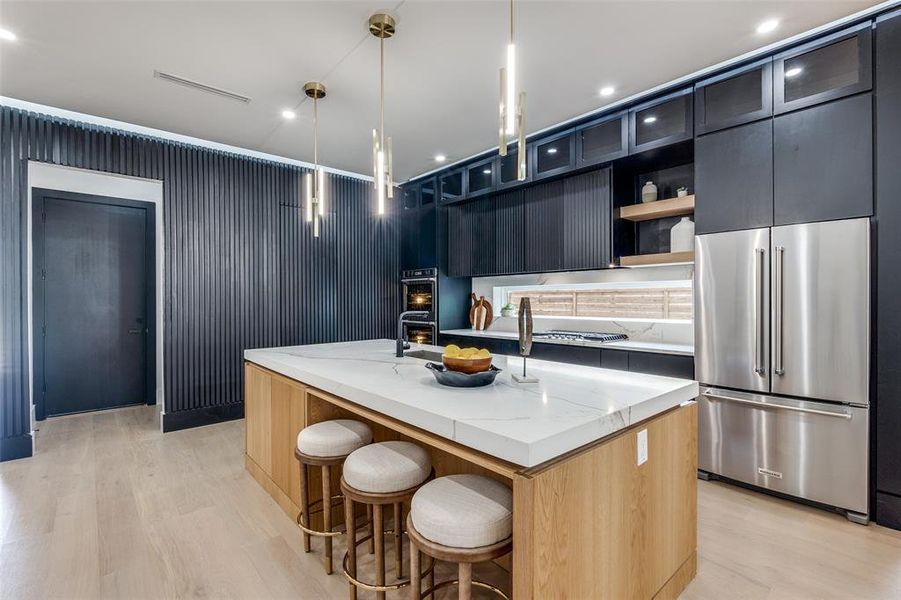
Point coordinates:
[[198, 417], [12, 448], [888, 510]]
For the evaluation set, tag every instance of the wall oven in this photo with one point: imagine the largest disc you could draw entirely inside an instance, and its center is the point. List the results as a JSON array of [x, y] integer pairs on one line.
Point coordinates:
[[420, 292]]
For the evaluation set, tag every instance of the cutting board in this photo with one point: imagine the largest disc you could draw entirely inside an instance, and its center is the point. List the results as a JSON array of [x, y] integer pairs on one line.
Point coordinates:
[[480, 313]]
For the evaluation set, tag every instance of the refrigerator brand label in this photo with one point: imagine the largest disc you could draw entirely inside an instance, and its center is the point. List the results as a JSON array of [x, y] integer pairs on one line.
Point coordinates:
[[769, 473]]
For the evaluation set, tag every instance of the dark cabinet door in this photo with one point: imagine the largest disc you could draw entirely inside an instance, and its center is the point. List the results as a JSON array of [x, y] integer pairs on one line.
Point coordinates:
[[829, 68], [734, 178], [507, 168], [409, 227], [668, 365], [428, 224], [661, 122], [452, 185], [615, 359], [603, 140], [734, 98], [824, 162], [459, 240], [543, 214], [480, 178], [888, 266], [587, 221], [554, 155], [574, 355], [506, 241]]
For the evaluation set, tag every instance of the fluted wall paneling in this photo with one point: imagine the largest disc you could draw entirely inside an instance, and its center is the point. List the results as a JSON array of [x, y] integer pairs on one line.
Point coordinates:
[[241, 267]]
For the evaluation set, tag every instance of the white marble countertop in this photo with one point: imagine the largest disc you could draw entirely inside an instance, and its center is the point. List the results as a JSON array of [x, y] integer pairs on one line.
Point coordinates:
[[657, 347], [526, 424]]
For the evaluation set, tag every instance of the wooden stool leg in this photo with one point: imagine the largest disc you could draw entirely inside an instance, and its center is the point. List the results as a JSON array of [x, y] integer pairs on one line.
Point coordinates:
[[398, 539], [371, 530], [415, 579], [350, 522], [305, 505], [465, 577], [430, 582], [327, 515], [379, 530]]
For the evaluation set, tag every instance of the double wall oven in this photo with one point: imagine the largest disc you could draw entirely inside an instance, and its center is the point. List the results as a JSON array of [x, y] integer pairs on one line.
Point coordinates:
[[420, 292]]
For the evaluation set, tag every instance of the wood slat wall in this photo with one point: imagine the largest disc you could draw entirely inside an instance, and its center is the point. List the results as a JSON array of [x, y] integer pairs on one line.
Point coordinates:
[[241, 269]]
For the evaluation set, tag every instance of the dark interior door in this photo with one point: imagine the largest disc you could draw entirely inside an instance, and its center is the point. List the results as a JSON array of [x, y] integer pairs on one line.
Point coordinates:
[[95, 286]]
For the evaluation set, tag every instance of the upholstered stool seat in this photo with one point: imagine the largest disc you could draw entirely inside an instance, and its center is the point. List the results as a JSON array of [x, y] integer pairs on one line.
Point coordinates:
[[338, 437], [464, 519], [325, 445], [378, 476], [463, 511], [387, 467]]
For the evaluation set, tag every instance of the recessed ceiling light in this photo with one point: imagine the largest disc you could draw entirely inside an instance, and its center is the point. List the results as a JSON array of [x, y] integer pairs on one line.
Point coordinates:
[[288, 114], [768, 26], [794, 72], [552, 151], [6, 34], [440, 158], [650, 120], [607, 90], [486, 171]]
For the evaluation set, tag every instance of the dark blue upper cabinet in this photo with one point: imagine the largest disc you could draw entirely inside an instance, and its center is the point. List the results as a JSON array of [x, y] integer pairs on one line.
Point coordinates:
[[832, 67], [452, 185], [410, 195], [602, 140], [661, 122], [553, 155], [507, 168], [734, 98], [481, 177]]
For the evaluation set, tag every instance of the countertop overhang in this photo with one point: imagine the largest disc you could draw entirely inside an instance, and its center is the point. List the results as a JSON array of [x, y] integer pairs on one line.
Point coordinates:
[[525, 424]]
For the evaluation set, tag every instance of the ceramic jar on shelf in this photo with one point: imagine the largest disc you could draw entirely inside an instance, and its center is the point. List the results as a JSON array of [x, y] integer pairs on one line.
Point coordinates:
[[682, 236], [649, 192]]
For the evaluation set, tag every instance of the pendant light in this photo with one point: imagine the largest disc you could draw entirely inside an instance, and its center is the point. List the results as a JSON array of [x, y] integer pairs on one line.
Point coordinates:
[[314, 183], [382, 26], [512, 109]]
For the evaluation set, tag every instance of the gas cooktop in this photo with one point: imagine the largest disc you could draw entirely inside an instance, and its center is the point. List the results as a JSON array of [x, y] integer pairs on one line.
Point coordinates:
[[579, 336]]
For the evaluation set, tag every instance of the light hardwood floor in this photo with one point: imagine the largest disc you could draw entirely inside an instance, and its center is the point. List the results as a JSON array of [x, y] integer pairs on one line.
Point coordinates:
[[111, 508]]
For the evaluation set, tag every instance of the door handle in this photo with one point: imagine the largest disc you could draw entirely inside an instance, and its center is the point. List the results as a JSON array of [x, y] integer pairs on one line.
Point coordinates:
[[134, 331], [759, 257], [778, 305], [811, 411]]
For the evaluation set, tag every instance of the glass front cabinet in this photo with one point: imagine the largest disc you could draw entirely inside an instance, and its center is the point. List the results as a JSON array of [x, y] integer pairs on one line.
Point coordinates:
[[602, 140], [734, 98], [836, 66], [661, 122]]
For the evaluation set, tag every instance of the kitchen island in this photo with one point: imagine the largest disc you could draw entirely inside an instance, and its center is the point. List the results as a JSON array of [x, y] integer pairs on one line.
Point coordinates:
[[597, 513]]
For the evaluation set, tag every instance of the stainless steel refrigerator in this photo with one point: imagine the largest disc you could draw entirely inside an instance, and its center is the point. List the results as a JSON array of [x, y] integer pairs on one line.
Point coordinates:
[[782, 344]]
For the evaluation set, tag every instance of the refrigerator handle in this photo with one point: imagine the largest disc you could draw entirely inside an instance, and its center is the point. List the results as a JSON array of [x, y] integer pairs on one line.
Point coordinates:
[[779, 260], [759, 359]]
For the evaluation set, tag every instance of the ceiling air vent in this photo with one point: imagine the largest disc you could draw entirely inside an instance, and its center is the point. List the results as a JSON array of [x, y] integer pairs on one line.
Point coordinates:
[[200, 86]]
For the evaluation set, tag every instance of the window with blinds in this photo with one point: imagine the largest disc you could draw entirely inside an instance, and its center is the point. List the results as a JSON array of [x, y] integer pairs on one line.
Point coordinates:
[[627, 302]]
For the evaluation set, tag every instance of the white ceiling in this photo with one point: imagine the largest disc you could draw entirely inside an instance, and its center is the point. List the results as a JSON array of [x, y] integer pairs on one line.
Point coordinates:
[[441, 74]]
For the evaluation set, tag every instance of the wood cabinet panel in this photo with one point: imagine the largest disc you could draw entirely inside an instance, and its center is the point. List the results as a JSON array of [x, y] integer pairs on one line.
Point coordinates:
[[288, 418], [734, 179], [258, 417], [563, 514]]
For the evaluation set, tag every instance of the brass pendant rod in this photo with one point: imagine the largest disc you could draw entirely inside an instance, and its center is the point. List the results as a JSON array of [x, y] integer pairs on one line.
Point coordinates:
[[511, 21], [382, 93]]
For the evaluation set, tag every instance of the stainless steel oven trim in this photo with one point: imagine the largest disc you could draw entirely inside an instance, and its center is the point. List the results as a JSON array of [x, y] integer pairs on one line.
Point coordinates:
[[759, 402]]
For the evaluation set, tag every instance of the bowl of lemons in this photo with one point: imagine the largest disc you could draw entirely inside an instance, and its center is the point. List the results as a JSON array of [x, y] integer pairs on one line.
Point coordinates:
[[466, 360]]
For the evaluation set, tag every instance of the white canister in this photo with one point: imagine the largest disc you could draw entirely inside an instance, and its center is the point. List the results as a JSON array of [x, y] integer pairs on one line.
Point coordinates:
[[682, 236], [649, 192]]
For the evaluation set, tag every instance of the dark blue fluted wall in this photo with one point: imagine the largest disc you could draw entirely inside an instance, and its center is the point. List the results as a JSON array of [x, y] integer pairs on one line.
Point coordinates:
[[241, 268]]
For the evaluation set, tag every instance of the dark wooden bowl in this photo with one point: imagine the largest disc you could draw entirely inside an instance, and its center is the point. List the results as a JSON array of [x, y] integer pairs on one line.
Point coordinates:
[[466, 365]]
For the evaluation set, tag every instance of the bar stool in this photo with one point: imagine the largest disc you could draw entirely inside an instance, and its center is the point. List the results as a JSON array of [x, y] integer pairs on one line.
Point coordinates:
[[381, 474], [325, 445], [464, 519]]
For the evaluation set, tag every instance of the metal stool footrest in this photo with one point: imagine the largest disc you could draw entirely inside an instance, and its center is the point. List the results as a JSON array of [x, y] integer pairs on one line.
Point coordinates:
[[318, 533], [397, 585]]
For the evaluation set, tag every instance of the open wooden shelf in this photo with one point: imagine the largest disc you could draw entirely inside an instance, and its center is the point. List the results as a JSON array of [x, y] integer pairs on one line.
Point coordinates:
[[672, 207], [650, 260]]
